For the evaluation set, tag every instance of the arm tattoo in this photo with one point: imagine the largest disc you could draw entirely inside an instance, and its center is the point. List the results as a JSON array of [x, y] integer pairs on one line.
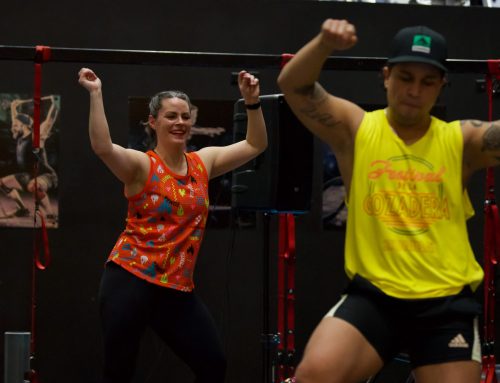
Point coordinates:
[[491, 137], [326, 119], [315, 95], [314, 92], [475, 123]]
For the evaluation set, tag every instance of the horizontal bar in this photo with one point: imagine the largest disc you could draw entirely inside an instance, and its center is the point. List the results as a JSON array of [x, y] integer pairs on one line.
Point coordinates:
[[116, 56], [209, 59]]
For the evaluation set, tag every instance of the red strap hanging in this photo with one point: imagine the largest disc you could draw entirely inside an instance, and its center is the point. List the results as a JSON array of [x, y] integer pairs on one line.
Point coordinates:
[[290, 296], [286, 289], [491, 244], [281, 303], [42, 54], [286, 297], [40, 236], [491, 259], [494, 67]]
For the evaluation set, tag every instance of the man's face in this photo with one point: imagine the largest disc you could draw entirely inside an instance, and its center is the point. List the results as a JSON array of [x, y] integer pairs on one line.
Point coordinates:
[[412, 90]]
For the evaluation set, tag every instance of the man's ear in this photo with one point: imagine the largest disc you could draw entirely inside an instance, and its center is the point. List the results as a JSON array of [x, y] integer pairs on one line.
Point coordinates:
[[445, 81], [386, 71]]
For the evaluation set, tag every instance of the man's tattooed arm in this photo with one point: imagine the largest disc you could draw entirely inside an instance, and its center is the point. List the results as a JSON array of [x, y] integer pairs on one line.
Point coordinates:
[[315, 96], [474, 123], [490, 139]]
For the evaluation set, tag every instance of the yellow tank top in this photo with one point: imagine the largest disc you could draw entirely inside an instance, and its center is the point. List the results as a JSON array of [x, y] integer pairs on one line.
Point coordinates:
[[407, 212]]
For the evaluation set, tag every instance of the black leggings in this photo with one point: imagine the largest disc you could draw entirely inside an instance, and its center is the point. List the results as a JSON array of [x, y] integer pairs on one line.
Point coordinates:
[[129, 304]]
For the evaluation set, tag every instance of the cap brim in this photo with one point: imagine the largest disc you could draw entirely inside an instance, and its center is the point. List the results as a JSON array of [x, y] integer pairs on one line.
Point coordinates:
[[417, 59]]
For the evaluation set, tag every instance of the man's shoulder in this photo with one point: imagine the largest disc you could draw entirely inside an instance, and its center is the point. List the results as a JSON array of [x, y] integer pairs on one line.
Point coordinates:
[[443, 123], [374, 117]]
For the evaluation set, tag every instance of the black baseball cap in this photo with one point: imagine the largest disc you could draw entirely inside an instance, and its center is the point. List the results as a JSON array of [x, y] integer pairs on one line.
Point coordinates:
[[419, 44]]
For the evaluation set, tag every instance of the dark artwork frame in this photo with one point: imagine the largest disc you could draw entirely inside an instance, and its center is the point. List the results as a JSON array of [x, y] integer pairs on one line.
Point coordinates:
[[15, 169]]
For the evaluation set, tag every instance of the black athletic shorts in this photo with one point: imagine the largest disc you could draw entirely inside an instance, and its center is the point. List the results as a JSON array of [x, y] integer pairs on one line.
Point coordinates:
[[430, 331]]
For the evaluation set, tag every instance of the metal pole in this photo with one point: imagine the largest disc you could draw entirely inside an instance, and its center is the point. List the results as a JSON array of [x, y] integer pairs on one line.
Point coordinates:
[[17, 356]]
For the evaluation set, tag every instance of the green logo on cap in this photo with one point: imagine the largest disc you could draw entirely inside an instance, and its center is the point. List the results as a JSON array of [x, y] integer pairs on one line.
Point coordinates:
[[421, 43]]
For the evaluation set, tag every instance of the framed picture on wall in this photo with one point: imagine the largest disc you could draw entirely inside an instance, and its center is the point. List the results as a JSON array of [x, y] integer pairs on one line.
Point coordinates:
[[23, 170], [212, 126]]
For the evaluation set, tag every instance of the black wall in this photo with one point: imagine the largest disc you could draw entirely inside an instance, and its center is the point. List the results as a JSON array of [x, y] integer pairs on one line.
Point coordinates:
[[92, 210]]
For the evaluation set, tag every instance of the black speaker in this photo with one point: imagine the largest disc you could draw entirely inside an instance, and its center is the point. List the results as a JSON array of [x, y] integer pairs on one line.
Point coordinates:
[[279, 179]]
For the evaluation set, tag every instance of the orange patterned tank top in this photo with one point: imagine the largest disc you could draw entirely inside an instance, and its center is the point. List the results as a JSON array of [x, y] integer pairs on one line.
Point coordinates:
[[165, 225]]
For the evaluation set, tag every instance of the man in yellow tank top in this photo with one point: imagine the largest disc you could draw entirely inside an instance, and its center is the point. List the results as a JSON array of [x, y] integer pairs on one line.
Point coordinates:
[[411, 268]]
